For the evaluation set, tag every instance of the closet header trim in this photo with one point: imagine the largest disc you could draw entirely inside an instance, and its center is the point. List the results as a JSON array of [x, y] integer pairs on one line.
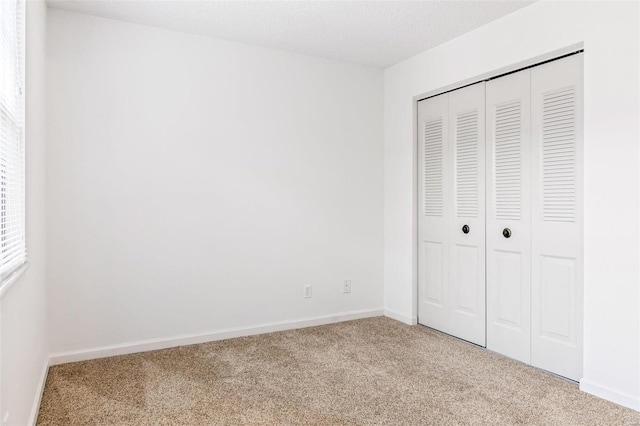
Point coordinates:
[[540, 60]]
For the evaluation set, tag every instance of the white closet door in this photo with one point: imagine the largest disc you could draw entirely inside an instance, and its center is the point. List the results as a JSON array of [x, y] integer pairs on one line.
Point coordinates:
[[556, 90], [467, 224], [434, 212], [508, 216]]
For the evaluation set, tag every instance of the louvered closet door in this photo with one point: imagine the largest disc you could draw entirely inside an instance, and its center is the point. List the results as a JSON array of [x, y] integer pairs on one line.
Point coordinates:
[[508, 216], [434, 201], [556, 90], [467, 224]]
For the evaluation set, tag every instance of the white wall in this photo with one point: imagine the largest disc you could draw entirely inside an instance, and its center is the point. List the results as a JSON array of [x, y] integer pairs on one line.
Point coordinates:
[[609, 31], [196, 185], [23, 328]]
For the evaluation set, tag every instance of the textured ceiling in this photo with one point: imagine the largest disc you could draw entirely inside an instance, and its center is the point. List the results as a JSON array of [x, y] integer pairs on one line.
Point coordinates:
[[376, 33]]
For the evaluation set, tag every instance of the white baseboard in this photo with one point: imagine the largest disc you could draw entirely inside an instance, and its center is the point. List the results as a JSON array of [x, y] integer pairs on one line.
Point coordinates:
[[33, 418], [609, 394], [192, 339], [399, 317]]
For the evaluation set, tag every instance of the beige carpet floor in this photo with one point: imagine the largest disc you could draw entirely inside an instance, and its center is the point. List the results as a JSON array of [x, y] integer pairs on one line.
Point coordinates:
[[368, 372]]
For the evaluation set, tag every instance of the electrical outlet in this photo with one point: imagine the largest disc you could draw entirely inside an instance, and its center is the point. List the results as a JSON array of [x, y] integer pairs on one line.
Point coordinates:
[[307, 291], [346, 286]]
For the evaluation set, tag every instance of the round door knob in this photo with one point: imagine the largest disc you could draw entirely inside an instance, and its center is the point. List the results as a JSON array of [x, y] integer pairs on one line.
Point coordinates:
[[465, 229], [506, 232]]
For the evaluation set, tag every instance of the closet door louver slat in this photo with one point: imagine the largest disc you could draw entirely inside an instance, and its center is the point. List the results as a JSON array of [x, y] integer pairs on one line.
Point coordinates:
[[559, 155], [467, 165], [507, 149], [433, 179]]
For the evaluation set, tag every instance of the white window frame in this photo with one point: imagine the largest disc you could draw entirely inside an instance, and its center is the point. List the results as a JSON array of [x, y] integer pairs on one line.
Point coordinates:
[[13, 253]]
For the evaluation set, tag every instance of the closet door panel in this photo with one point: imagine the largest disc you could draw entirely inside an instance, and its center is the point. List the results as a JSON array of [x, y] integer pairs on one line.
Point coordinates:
[[557, 222], [434, 212], [508, 216], [467, 225]]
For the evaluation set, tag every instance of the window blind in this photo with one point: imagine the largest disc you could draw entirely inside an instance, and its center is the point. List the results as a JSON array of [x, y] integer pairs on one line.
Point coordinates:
[[12, 181]]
